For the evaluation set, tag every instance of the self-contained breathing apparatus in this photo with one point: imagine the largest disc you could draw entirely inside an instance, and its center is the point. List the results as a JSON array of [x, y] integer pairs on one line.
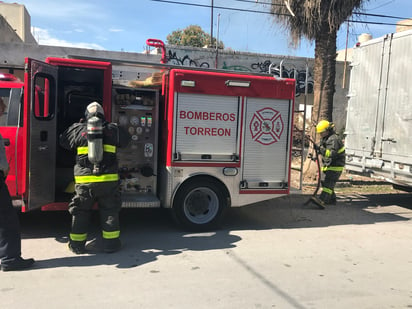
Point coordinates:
[[95, 143], [95, 136]]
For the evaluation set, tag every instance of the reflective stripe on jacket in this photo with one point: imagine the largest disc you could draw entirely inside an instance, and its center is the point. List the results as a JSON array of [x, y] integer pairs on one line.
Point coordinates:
[[96, 178], [75, 139], [84, 150], [333, 155]]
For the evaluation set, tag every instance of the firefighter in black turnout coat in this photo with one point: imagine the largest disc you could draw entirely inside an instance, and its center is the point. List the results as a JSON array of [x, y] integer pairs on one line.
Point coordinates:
[[10, 238], [95, 142], [333, 161]]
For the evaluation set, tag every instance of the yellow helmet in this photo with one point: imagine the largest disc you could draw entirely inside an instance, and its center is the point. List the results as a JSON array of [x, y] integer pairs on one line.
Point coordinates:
[[322, 126]]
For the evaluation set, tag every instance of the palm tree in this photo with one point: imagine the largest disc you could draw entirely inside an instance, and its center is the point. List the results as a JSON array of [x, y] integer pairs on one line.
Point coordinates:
[[318, 21]]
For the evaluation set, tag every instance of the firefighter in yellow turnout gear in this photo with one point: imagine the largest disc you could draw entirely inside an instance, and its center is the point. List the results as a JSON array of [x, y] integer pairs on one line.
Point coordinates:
[[95, 142], [333, 161]]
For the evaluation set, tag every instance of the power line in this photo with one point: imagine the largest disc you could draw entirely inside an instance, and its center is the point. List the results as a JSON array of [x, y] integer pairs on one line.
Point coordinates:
[[264, 12], [376, 23], [380, 15], [218, 7], [358, 13], [256, 2]]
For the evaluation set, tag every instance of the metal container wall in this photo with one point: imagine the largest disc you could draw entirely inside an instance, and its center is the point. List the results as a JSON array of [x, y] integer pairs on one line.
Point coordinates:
[[379, 117]]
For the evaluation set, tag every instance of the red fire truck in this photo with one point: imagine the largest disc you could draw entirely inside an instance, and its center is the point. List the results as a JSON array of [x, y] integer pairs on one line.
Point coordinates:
[[200, 140]]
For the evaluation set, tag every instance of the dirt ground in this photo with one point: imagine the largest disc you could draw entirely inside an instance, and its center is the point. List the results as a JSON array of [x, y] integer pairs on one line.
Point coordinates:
[[348, 183]]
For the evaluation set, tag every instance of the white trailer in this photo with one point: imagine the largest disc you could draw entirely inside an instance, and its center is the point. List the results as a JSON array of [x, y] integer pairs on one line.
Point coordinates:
[[379, 115]]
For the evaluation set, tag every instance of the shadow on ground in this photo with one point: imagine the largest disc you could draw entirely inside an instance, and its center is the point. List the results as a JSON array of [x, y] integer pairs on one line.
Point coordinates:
[[291, 212], [148, 234]]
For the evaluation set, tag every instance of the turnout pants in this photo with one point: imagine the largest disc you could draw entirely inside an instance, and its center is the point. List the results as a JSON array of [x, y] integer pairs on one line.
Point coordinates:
[[328, 187], [10, 241], [107, 195]]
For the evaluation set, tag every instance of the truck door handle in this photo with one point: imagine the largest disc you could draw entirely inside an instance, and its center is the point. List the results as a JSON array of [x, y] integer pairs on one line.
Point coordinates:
[[43, 148], [43, 136]]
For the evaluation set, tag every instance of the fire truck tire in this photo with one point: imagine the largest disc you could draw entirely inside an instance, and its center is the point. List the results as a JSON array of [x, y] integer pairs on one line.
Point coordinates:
[[200, 204]]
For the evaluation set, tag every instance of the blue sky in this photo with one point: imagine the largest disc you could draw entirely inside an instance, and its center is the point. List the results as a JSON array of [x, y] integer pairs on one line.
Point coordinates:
[[125, 25]]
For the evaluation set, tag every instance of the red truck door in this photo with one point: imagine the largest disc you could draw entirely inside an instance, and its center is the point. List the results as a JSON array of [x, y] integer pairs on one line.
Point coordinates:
[[41, 103], [10, 127]]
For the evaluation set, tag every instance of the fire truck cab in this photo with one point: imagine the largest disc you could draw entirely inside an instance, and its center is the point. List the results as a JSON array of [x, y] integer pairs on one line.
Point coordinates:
[[200, 140]]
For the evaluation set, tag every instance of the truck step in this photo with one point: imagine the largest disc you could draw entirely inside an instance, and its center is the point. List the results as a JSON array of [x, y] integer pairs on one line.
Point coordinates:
[[139, 201]]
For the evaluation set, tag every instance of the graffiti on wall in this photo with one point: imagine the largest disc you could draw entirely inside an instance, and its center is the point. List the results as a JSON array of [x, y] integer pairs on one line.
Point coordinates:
[[173, 59], [240, 68], [268, 66], [265, 66], [262, 67]]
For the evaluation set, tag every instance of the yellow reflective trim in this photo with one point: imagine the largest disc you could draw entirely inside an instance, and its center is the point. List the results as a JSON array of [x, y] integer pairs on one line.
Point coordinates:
[[327, 190], [82, 150], [96, 178], [327, 153], [341, 150], [85, 150], [111, 235], [78, 237], [109, 148], [332, 168]]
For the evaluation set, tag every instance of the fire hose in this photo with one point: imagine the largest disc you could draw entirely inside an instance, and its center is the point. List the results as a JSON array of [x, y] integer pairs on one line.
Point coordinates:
[[316, 159]]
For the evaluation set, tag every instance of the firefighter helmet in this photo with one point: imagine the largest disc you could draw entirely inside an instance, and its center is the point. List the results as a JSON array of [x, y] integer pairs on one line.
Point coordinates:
[[322, 126], [94, 109]]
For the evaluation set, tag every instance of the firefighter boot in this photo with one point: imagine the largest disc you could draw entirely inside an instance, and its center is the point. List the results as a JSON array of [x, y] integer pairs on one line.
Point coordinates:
[[111, 245], [318, 201], [77, 247], [325, 197], [332, 200], [17, 264]]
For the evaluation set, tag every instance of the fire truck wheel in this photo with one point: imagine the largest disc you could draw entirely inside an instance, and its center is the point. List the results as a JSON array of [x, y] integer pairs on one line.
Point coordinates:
[[200, 204]]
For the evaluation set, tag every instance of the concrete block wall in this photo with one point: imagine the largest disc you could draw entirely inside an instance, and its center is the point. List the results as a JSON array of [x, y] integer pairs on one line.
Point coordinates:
[[263, 63], [13, 54]]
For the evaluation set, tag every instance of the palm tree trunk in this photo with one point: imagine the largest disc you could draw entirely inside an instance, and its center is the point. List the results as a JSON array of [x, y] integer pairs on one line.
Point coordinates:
[[324, 75], [324, 88]]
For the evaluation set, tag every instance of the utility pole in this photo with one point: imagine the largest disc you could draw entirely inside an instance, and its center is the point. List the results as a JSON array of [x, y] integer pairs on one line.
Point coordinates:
[[211, 24], [217, 40]]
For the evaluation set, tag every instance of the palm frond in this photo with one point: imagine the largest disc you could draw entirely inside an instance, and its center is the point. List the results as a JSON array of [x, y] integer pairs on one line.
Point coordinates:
[[312, 17]]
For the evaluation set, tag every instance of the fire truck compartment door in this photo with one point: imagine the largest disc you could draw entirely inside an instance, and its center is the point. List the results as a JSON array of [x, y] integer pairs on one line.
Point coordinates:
[[42, 98], [206, 127], [266, 145]]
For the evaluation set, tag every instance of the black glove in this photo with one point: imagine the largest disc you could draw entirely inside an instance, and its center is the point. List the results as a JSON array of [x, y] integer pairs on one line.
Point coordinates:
[[322, 150], [312, 157], [316, 147]]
